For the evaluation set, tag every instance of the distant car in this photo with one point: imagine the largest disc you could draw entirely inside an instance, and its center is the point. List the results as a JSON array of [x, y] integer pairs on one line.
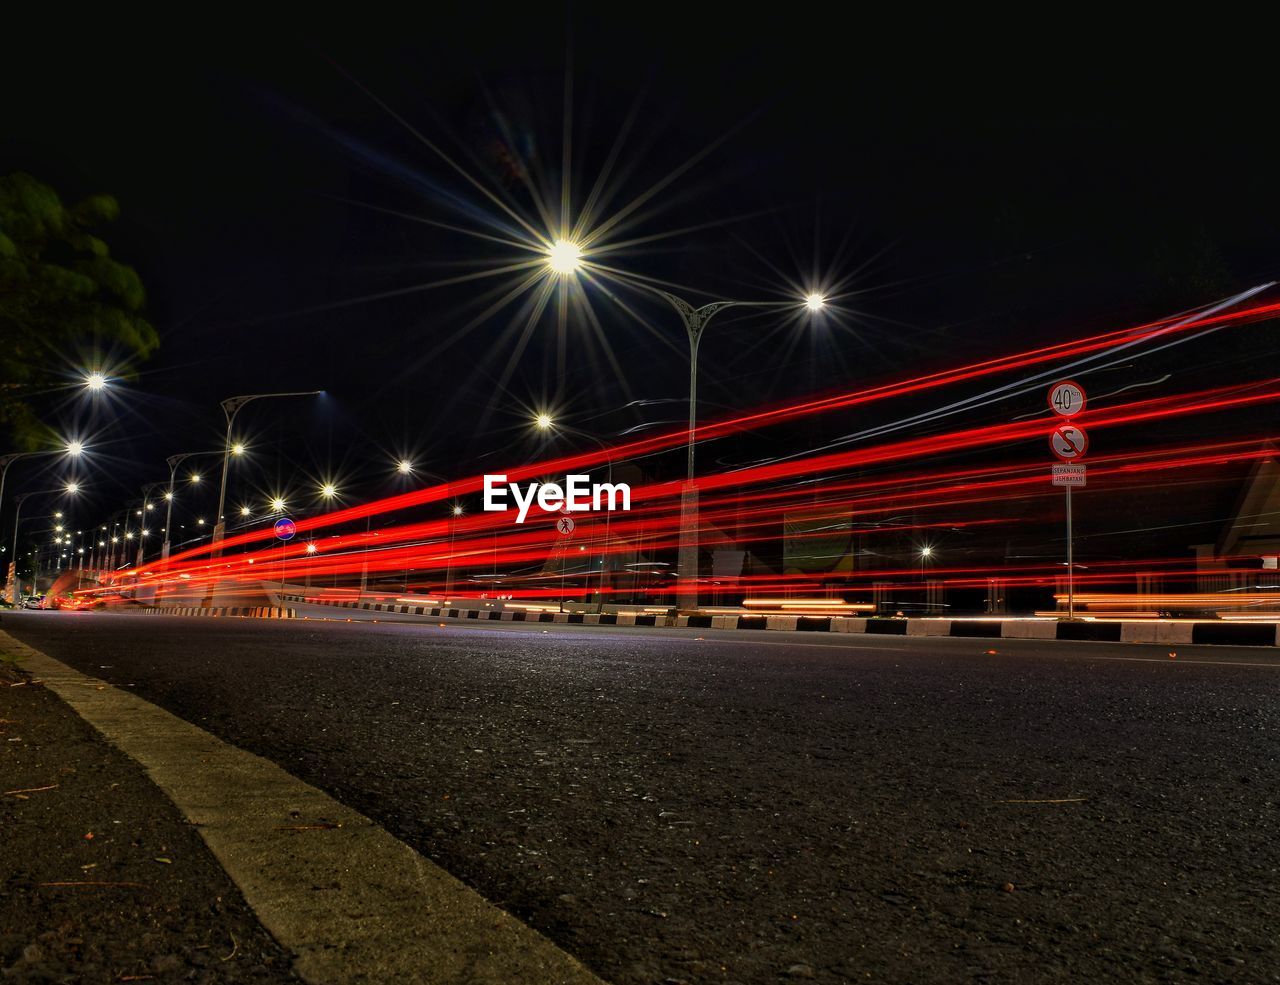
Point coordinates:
[[33, 602]]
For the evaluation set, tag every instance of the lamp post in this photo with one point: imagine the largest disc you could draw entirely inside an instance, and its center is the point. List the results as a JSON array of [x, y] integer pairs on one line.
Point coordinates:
[[70, 488], [404, 467], [695, 321], [143, 528], [454, 513], [565, 258], [926, 552], [545, 422], [230, 408], [173, 461], [73, 448]]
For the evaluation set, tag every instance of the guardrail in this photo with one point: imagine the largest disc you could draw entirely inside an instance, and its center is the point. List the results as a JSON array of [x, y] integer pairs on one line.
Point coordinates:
[[232, 611], [1145, 631]]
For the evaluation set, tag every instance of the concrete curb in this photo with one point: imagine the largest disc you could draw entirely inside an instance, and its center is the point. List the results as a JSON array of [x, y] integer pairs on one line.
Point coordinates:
[[352, 902], [1152, 631], [238, 611]]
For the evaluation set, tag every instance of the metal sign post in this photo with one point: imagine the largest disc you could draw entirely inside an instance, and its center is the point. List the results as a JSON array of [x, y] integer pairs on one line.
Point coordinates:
[[1069, 443], [285, 530], [565, 527]]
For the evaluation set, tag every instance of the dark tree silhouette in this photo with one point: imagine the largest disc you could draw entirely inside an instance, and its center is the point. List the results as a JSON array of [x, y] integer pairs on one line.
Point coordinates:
[[62, 296]]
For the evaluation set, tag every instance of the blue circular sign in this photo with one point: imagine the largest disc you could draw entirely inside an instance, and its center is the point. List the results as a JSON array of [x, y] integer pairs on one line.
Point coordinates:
[[286, 528]]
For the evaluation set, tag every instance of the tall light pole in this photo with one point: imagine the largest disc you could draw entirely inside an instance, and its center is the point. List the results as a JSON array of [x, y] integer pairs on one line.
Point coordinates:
[[70, 488], [454, 513], [545, 422], [73, 448], [565, 258], [926, 552], [695, 322], [230, 408], [173, 461]]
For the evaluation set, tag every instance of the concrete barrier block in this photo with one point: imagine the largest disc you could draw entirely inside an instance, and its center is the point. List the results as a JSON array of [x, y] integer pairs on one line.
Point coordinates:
[[928, 627], [1038, 629], [724, 622], [626, 619], [848, 624], [1173, 632], [784, 623], [1139, 632]]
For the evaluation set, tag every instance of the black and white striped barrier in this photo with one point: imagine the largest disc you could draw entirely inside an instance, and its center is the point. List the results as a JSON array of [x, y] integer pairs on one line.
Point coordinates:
[[1174, 633], [240, 611]]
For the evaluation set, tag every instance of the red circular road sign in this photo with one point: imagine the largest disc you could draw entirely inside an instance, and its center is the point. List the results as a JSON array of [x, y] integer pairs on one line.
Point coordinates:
[[286, 528], [1067, 398], [1069, 442]]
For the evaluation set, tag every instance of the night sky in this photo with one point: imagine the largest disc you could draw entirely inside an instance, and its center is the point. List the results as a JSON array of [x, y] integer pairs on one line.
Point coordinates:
[[964, 198]]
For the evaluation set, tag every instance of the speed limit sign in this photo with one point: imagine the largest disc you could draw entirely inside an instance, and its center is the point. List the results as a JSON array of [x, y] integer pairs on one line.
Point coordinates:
[[1066, 398]]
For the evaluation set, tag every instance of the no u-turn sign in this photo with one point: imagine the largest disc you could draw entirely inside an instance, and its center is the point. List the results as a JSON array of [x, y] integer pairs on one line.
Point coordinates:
[[1069, 442]]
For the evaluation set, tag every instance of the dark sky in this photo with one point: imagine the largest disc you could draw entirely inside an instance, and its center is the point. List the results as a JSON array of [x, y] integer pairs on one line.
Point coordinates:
[[971, 193]]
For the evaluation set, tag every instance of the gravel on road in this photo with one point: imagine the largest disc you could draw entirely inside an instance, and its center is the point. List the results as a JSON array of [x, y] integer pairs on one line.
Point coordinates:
[[102, 880], [675, 809]]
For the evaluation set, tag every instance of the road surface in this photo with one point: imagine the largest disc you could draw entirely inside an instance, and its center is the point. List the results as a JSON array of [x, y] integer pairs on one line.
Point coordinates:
[[694, 806]]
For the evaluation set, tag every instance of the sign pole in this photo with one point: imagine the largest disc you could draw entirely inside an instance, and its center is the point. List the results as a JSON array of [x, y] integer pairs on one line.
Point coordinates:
[[1069, 443], [285, 529], [1071, 566]]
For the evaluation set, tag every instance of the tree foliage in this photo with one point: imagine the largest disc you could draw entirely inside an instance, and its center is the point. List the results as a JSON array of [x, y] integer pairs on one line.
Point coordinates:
[[63, 299]]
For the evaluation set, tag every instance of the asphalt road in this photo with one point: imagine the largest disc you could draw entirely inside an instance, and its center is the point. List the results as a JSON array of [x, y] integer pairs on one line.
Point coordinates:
[[692, 806]]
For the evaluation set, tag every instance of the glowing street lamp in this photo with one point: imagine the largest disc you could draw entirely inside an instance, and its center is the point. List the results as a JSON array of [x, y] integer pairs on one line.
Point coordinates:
[[73, 448], [564, 257], [95, 382], [328, 491], [926, 552], [70, 488], [277, 505], [230, 408], [454, 513], [695, 323], [545, 422], [404, 466]]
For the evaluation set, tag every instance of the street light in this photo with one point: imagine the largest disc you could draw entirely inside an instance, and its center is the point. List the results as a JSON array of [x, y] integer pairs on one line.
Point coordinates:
[[454, 513], [328, 491], [695, 322], [564, 257], [70, 488], [230, 408], [95, 382], [926, 552], [404, 467], [545, 422], [277, 505], [73, 448], [174, 461]]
